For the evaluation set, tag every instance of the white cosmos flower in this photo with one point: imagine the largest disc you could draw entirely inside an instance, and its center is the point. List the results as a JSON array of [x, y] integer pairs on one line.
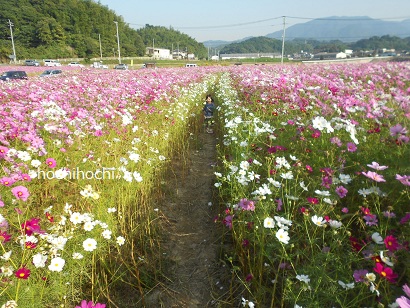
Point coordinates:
[[322, 193], [346, 286], [35, 163], [120, 240], [334, 224], [377, 238], [106, 234], [76, 218], [56, 264], [127, 176], [39, 260], [304, 187], [134, 157], [6, 256], [318, 221], [137, 176], [90, 244], [303, 278], [283, 236], [23, 155], [6, 271], [77, 256], [88, 225], [345, 178], [269, 222], [287, 176], [385, 259]]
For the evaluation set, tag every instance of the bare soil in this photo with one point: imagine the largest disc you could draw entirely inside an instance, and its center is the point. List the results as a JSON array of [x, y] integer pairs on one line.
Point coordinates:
[[195, 275]]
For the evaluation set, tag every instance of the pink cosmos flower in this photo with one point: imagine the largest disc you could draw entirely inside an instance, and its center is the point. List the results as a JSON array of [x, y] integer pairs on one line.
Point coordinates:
[[360, 275], [247, 205], [7, 181], [374, 176], [376, 166], [403, 302], [51, 162], [405, 179], [341, 191], [351, 147], [3, 151], [25, 177], [20, 192], [336, 140], [397, 130]]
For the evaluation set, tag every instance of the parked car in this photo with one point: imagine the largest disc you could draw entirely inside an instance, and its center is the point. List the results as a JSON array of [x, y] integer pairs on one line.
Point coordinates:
[[31, 63], [13, 75], [99, 65], [51, 63], [48, 73], [77, 64], [121, 66]]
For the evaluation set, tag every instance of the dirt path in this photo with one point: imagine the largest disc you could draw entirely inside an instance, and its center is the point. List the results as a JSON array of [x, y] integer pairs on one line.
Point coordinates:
[[192, 240]]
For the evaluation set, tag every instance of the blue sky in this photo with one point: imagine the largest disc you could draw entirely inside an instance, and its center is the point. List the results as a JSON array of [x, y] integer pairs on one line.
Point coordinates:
[[236, 19]]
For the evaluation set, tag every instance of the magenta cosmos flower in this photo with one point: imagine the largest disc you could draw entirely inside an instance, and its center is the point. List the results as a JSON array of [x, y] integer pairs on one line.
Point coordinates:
[[23, 273], [391, 243], [31, 226], [385, 272], [90, 304], [20, 192], [51, 162]]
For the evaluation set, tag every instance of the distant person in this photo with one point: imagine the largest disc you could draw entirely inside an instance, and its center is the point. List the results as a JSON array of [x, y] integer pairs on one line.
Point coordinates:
[[208, 110]]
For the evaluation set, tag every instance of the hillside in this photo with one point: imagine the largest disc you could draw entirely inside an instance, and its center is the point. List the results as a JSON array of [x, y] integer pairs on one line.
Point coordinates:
[[263, 44], [77, 28], [345, 29]]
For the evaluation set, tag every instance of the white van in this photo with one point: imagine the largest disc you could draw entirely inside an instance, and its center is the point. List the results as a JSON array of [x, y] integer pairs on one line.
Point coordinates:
[[191, 65], [51, 63]]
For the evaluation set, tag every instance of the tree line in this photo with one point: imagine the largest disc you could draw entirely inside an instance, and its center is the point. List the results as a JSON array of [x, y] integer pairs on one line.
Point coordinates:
[[270, 45]]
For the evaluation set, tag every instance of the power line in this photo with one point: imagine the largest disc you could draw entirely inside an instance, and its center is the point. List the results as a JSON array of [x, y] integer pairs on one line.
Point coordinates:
[[279, 17]]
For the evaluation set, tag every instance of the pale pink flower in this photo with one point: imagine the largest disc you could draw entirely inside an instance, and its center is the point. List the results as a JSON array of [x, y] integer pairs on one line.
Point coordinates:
[[374, 176]]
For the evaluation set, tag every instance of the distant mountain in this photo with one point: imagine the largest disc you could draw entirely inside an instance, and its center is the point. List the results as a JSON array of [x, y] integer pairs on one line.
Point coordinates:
[[345, 29], [219, 43]]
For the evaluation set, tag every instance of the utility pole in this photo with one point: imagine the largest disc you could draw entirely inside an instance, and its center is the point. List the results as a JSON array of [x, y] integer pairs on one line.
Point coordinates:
[[283, 38], [12, 42], [118, 42], [99, 39]]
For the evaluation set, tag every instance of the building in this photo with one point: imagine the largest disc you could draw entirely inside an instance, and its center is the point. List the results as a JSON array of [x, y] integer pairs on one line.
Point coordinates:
[[158, 53], [227, 56]]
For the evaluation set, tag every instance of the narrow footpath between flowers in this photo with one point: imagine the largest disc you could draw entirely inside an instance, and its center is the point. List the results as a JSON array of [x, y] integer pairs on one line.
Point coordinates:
[[192, 241]]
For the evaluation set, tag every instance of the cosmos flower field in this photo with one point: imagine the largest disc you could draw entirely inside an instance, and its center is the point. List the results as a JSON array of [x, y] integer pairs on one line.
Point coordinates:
[[313, 178]]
